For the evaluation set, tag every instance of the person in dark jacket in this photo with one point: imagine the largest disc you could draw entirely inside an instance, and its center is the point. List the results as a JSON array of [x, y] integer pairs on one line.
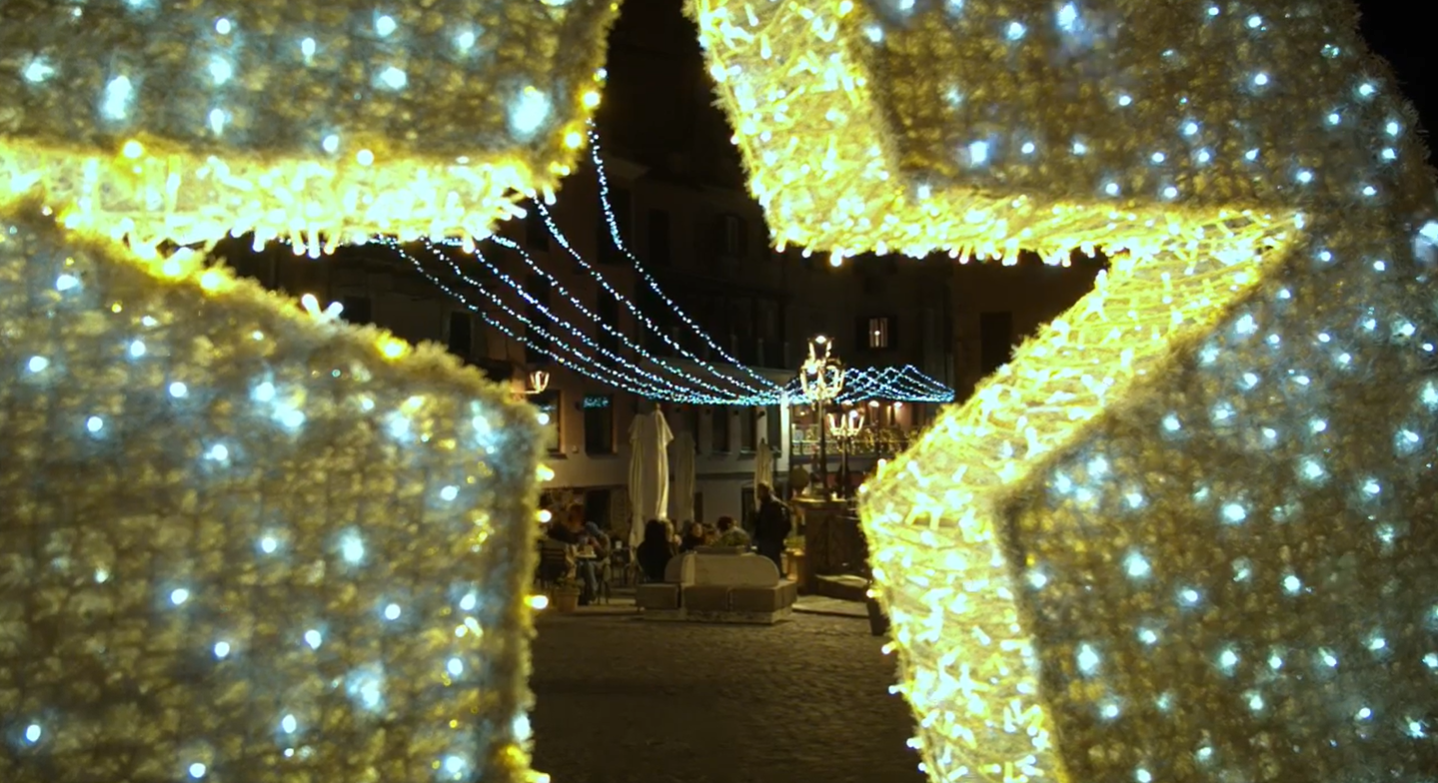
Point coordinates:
[[771, 526], [655, 550]]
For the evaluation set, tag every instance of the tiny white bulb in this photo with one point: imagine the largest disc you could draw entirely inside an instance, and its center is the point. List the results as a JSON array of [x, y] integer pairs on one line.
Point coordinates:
[[222, 650], [33, 733], [223, 26], [94, 424], [313, 639], [269, 544], [1015, 31], [449, 493], [308, 47], [197, 770], [455, 667], [289, 725], [66, 282], [178, 390], [393, 78], [392, 612], [384, 25], [221, 70], [37, 364], [179, 596]]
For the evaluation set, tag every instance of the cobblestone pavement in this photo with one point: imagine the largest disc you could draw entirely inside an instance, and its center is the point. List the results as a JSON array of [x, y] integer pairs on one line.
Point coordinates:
[[620, 699]]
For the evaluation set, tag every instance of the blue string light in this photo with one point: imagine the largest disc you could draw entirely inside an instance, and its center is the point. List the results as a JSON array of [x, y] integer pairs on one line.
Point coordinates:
[[905, 383], [586, 366]]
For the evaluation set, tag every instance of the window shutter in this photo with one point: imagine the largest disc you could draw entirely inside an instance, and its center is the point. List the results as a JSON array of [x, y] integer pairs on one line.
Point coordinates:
[[861, 333], [893, 331]]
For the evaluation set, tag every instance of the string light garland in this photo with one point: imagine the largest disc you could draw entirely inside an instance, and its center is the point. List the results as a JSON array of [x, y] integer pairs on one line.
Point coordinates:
[[639, 316], [1182, 535], [279, 118], [906, 383], [617, 238], [566, 355], [228, 593]]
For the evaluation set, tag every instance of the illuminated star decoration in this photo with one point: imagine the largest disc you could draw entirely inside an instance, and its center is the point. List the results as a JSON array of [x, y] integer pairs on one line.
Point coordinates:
[[1182, 536], [317, 122], [285, 539], [242, 542]]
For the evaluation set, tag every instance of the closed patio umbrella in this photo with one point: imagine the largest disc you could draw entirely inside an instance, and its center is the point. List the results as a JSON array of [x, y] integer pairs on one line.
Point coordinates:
[[682, 467], [649, 438]]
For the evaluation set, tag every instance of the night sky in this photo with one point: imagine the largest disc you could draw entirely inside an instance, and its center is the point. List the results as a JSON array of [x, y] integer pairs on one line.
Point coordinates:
[[1407, 43]]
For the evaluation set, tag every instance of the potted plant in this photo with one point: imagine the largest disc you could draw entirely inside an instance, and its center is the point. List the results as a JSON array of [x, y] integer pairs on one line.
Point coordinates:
[[565, 595]]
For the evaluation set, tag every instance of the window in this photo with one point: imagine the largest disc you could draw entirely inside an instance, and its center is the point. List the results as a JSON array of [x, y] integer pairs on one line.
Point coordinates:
[[598, 423], [719, 430], [536, 234], [607, 312], [550, 418], [537, 331], [878, 334], [461, 335], [357, 310], [733, 237], [608, 252], [774, 428], [659, 250], [996, 340], [749, 429]]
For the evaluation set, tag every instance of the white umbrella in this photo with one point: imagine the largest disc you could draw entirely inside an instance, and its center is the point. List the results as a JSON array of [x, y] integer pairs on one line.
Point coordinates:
[[649, 438], [763, 469], [682, 466]]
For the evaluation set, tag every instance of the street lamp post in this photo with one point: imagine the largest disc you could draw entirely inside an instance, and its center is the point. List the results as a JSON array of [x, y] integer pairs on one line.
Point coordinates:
[[822, 378], [846, 428]]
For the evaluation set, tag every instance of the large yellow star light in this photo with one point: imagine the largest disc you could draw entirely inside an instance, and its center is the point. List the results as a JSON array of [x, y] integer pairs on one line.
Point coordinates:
[[1188, 533], [317, 122], [242, 544]]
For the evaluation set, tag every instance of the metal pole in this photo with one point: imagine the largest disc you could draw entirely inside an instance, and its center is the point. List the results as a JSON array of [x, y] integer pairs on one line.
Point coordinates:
[[823, 473]]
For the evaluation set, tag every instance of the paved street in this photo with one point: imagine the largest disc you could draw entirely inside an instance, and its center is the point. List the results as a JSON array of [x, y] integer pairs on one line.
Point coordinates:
[[621, 699]]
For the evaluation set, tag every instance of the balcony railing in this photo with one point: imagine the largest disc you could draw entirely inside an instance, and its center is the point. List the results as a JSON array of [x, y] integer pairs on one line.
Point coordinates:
[[872, 442]]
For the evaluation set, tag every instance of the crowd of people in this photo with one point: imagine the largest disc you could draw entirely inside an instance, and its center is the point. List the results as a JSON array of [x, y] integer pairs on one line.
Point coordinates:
[[588, 548]]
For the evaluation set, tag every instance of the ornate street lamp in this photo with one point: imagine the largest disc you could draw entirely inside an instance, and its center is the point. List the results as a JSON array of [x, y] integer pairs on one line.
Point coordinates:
[[822, 379], [845, 429]]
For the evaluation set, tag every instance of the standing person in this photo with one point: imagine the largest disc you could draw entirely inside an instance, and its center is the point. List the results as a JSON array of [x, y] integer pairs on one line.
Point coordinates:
[[771, 526]]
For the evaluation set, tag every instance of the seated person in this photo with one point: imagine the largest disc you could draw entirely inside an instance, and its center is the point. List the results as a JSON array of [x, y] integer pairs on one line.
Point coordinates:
[[693, 537], [572, 533], [731, 534], [655, 550], [597, 540]]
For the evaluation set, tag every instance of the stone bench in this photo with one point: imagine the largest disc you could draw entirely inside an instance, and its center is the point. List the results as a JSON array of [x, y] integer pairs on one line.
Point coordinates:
[[719, 587]]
